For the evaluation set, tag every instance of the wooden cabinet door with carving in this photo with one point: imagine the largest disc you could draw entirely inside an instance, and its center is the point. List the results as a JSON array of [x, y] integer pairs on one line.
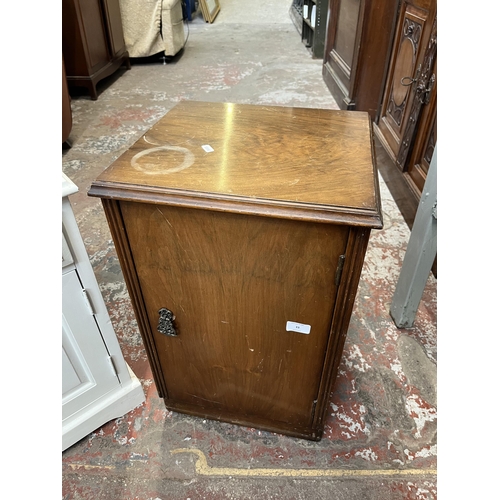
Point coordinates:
[[420, 155], [406, 114]]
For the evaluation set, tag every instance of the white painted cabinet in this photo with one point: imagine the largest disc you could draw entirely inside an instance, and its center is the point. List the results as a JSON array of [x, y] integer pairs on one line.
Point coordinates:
[[97, 383]]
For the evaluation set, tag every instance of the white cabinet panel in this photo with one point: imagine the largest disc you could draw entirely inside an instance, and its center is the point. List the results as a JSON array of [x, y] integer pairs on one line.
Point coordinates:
[[97, 383], [85, 349], [71, 379]]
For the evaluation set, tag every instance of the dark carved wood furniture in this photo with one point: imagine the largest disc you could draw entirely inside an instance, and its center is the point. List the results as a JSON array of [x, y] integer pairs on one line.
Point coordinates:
[[407, 119], [92, 40], [241, 231], [358, 42], [381, 57]]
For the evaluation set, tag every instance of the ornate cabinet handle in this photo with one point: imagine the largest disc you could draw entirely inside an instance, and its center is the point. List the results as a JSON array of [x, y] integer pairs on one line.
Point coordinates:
[[426, 91], [406, 81], [166, 322]]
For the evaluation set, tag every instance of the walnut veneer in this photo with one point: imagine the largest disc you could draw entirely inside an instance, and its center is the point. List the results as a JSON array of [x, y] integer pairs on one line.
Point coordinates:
[[245, 221]]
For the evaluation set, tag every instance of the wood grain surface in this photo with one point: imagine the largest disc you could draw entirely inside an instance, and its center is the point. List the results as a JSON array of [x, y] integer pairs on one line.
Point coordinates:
[[233, 282], [262, 156], [234, 218]]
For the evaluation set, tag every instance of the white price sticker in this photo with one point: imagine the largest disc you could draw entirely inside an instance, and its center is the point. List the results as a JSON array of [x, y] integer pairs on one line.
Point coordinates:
[[291, 326]]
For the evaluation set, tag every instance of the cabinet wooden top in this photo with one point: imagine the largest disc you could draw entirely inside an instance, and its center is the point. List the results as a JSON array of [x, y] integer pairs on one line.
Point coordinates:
[[310, 164]]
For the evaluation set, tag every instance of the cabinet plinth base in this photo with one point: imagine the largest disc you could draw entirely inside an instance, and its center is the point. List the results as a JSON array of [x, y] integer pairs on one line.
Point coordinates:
[[250, 421], [90, 82]]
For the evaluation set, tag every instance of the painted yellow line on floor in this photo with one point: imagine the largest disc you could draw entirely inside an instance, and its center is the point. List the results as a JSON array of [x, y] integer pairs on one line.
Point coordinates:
[[203, 469], [90, 467]]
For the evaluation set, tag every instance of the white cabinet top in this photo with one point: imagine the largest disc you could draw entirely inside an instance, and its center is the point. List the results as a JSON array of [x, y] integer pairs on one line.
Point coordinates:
[[68, 186]]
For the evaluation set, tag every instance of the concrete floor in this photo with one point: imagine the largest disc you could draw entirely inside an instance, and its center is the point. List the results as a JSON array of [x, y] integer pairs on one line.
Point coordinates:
[[380, 437]]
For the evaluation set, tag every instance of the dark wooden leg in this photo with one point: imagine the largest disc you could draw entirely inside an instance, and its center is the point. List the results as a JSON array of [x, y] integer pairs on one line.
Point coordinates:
[[92, 90]]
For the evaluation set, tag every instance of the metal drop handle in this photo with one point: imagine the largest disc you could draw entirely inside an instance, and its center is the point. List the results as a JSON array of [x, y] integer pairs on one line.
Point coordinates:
[[166, 322], [406, 81]]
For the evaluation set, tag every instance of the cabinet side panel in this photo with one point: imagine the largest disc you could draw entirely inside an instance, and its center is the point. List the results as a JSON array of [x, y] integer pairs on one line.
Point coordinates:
[[94, 33], [234, 282], [74, 50], [120, 239], [374, 54], [355, 254], [345, 40]]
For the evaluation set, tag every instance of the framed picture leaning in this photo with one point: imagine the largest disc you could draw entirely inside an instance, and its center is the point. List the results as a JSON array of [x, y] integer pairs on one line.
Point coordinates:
[[210, 9]]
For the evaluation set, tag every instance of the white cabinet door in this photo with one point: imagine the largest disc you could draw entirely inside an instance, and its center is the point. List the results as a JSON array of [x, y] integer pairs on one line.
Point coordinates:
[[87, 371]]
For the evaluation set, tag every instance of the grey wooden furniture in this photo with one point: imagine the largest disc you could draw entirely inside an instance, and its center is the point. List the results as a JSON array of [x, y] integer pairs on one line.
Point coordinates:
[[420, 254]]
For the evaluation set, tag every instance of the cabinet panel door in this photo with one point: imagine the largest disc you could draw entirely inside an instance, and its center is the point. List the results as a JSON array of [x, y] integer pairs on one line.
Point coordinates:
[[410, 44], [86, 371], [233, 282], [114, 23], [345, 38], [341, 46], [358, 43], [94, 33], [424, 143]]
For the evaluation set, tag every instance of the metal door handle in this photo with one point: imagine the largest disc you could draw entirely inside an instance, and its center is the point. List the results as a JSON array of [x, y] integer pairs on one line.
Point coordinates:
[[406, 81], [409, 81]]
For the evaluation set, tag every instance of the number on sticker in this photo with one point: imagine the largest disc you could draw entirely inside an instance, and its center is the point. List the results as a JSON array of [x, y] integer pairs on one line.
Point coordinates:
[[292, 326]]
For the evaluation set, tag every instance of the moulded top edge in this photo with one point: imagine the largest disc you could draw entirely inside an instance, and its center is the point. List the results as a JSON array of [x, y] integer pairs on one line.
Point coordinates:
[[237, 204], [313, 156]]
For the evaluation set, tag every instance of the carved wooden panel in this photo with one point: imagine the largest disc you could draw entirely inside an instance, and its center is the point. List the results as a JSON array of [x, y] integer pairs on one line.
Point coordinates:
[[424, 141], [411, 43], [429, 147], [422, 88], [405, 66]]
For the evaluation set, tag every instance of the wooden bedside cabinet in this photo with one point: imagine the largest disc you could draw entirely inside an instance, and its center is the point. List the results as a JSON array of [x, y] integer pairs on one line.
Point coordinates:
[[241, 231]]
